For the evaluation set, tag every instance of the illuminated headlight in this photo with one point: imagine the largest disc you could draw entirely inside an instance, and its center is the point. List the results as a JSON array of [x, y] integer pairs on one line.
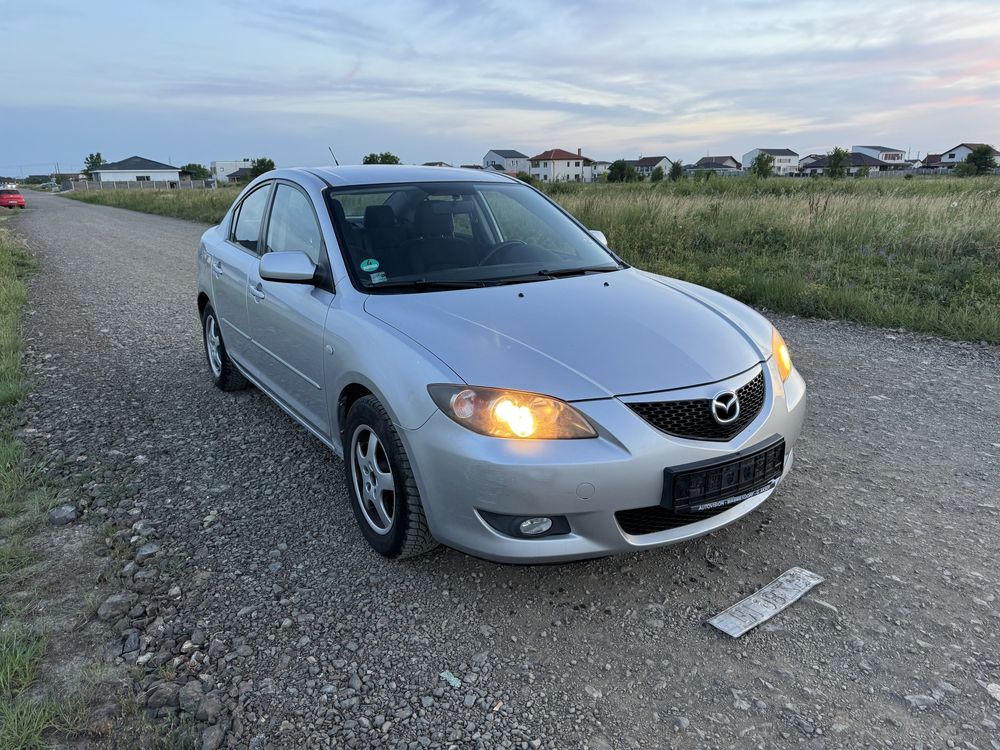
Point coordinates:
[[510, 414], [781, 356]]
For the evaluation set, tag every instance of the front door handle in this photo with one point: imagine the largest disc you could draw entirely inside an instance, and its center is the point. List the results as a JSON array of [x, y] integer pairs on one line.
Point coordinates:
[[257, 292], [217, 267]]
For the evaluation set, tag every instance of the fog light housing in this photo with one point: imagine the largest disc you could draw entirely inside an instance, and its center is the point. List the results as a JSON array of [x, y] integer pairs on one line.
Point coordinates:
[[526, 527], [535, 526]]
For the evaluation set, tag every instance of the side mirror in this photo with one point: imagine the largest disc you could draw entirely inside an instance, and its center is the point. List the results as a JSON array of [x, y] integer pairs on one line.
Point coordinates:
[[294, 267], [599, 236]]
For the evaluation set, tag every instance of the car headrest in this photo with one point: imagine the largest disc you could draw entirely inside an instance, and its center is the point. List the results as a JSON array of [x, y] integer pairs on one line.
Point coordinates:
[[337, 209], [434, 219], [379, 216]]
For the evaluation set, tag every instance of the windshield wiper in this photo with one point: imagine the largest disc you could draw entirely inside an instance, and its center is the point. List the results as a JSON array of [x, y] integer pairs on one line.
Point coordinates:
[[429, 284], [581, 271]]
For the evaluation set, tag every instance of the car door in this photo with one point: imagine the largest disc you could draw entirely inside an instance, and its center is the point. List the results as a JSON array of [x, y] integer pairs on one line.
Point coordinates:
[[231, 261], [287, 319]]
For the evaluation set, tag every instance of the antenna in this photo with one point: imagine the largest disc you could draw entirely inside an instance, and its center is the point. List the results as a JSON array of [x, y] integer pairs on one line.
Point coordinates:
[[330, 149]]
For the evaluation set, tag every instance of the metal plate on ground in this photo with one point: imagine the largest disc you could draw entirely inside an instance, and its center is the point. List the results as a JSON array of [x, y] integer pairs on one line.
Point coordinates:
[[765, 603]]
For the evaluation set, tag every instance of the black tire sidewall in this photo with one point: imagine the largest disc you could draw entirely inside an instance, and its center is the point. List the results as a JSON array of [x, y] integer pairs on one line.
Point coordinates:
[[363, 412]]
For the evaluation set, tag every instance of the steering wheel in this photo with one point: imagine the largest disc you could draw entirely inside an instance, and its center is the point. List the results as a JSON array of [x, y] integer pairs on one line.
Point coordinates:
[[506, 245]]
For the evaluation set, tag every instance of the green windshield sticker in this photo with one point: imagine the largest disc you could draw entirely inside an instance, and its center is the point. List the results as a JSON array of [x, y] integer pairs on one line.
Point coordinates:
[[369, 264]]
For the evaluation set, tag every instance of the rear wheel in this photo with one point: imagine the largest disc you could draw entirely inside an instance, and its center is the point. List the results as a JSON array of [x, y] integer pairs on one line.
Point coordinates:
[[383, 490], [220, 366]]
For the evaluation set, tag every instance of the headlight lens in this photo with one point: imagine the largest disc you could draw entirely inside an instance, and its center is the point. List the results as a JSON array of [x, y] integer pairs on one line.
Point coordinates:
[[781, 356], [510, 414]]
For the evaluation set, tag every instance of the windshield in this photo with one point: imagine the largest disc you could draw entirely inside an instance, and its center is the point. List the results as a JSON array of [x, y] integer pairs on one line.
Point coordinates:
[[430, 236]]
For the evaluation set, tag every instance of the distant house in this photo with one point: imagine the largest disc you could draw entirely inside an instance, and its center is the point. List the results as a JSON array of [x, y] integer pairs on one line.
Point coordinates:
[[240, 175], [507, 159], [436, 164], [931, 161], [953, 156], [805, 161], [857, 162], [599, 168], [559, 165], [894, 157], [786, 161], [136, 169], [220, 169], [718, 162], [647, 164]]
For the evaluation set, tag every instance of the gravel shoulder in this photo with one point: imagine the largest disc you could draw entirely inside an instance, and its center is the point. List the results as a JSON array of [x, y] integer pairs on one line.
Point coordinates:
[[254, 605]]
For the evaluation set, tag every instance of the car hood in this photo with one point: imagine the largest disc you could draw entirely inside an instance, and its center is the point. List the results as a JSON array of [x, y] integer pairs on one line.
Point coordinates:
[[576, 338]]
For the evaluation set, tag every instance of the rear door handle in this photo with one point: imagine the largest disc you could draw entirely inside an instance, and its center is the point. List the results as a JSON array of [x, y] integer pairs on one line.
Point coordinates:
[[217, 266], [257, 292]]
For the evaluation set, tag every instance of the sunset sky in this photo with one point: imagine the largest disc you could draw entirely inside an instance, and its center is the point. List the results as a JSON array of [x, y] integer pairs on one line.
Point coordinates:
[[448, 80]]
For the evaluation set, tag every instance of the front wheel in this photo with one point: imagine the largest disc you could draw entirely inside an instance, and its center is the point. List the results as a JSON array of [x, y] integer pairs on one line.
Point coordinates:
[[381, 484], [220, 366]]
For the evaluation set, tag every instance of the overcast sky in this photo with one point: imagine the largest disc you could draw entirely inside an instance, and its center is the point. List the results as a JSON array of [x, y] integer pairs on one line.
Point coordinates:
[[449, 79]]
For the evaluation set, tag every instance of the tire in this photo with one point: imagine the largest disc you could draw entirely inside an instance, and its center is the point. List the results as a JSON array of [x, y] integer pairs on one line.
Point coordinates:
[[224, 373], [401, 530]]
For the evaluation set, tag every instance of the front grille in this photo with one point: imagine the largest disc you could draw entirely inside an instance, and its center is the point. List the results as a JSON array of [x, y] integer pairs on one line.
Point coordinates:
[[693, 419], [657, 518]]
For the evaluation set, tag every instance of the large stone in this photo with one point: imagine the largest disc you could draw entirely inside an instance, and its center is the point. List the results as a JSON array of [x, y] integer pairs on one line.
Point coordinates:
[[146, 551], [114, 606], [190, 696], [162, 695], [211, 738], [209, 708], [62, 515]]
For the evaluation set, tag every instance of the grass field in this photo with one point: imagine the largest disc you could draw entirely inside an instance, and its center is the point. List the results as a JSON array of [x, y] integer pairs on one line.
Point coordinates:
[[922, 254], [22, 503]]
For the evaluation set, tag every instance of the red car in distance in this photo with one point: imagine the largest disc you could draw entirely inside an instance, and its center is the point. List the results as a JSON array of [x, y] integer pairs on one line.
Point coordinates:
[[10, 198]]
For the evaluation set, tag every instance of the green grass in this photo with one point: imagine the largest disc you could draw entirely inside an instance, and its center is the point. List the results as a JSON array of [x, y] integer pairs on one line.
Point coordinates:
[[23, 720], [921, 254], [207, 206]]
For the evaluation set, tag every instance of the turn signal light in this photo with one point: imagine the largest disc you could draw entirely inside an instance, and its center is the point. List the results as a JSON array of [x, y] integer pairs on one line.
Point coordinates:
[[781, 356]]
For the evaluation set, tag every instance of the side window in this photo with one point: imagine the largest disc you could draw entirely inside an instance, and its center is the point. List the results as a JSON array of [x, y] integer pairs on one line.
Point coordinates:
[[248, 220], [293, 226]]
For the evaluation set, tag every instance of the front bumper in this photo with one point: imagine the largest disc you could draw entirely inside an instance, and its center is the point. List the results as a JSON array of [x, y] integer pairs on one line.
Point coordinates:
[[460, 473]]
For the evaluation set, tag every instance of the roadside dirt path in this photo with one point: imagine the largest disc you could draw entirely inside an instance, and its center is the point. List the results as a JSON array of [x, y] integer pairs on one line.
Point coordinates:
[[302, 637]]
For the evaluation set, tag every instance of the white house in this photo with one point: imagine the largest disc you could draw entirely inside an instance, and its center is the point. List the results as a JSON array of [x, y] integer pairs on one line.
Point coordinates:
[[599, 168], [557, 165], [786, 161], [953, 156], [856, 162], [895, 157], [647, 164], [507, 159], [136, 169], [221, 169]]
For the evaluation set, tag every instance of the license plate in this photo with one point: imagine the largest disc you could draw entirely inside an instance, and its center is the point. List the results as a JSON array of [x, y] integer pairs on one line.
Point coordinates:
[[765, 603], [713, 483]]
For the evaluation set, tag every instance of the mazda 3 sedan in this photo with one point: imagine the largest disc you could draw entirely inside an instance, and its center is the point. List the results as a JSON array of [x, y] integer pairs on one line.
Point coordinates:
[[495, 378]]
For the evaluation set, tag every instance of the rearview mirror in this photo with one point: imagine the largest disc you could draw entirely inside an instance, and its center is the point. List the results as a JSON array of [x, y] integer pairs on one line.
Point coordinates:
[[599, 236], [292, 267]]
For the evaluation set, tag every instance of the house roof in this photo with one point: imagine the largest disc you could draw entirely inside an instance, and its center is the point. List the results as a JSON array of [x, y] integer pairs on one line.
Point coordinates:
[[970, 146], [650, 161], [716, 159], [239, 174], [134, 163], [436, 164], [882, 148], [508, 153], [558, 154], [857, 160], [932, 159], [778, 151], [702, 164]]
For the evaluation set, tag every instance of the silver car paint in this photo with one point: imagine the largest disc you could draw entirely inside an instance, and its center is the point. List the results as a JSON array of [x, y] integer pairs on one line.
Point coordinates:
[[404, 342]]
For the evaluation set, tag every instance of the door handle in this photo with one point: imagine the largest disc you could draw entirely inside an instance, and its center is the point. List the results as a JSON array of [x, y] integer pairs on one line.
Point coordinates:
[[257, 292], [217, 266]]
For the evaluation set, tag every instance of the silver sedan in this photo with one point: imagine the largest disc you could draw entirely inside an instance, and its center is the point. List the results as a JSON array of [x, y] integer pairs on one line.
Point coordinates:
[[495, 378]]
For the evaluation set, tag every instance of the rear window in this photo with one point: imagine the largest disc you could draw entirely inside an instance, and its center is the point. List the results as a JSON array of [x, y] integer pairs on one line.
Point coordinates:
[[10, 192]]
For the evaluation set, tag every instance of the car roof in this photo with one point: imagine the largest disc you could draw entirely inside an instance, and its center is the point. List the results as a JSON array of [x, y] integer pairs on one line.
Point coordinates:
[[388, 174]]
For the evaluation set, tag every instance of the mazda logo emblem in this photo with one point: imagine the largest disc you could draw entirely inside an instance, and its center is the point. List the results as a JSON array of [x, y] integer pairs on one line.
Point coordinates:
[[725, 407]]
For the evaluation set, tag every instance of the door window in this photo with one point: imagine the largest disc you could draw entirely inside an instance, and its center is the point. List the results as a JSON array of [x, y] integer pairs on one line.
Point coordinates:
[[246, 232], [293, 226]]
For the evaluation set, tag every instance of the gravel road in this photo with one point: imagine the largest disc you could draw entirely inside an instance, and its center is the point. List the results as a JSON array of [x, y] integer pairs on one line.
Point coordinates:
[[276, 627]]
